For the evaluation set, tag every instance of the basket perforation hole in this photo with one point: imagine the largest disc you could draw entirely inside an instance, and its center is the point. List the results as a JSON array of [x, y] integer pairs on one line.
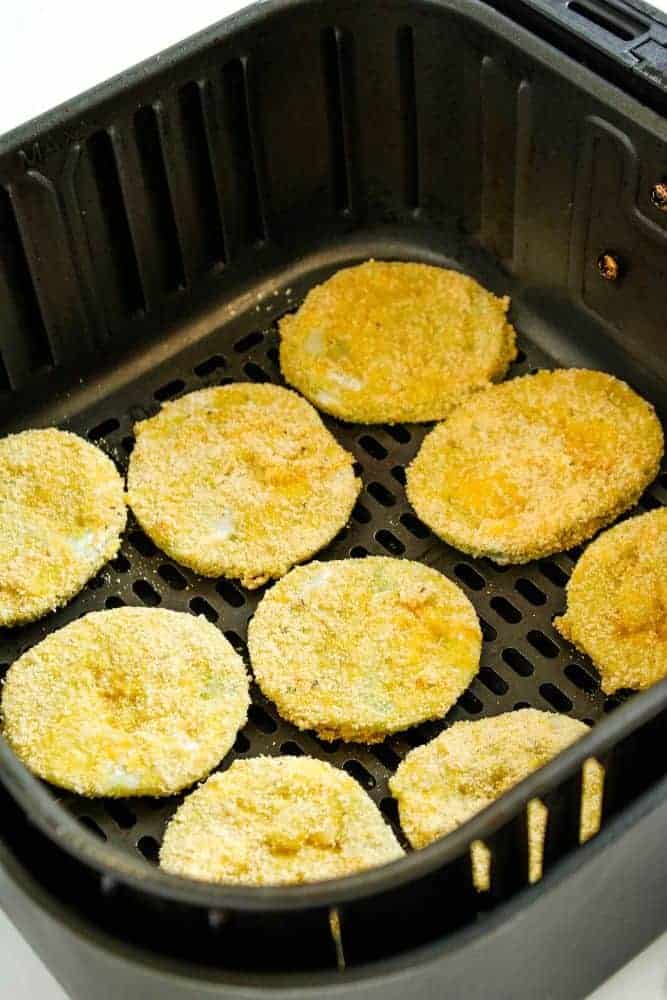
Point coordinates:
[[143, 544], [387, 757], [361, 514], [128, 445], [521, 704], [398, 472], [489, 634], [209, 366], [470, 703], [517, 662], [389, 809], [357, 468], [261, 719], [493, 681], [581, 678], [114, 602], [469, 576], [241, 743], [553, 573], [120, 813], [357, 771], [399, 433], [172, 576], [99, 581], [390, 542], [329, 746], [649, 502], [94, 827], [273, 356], [237, 643], [373, 447], [169, 390], [291, 749], [530, 592], [359, 552], [255, 373], [555, 697], [248, 342], [505, 610], [149, 847], [520, 357], [200, 606], [415, 526], [381, 494], [103, 429], [121, 564], [542, 643], [146, 593], [230, 594]]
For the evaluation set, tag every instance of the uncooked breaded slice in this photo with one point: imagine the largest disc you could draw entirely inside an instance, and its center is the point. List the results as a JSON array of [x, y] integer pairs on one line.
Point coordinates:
[[62, 511], [386, 342], [240, 481], [617, 603], [134, 701], [536, 465], [360, 648], [444, 783], [276, 821]]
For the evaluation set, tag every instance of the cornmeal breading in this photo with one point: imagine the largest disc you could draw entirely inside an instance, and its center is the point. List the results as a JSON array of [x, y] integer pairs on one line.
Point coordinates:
[[133, 701], [62, 511], [360, 648], [536, 465], [386, 342], [277, 820], [617, 603], [240, 481], [444, 783]]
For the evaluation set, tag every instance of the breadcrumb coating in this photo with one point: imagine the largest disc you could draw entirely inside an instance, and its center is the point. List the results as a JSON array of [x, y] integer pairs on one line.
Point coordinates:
[[360, 648], [444, 783], [240, 481], [62, 511], [134, 701], [617, 603], [387, 342], [276, 821], [536, 465]]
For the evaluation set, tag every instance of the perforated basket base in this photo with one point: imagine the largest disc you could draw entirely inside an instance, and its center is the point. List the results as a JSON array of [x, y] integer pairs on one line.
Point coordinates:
[[524, 662]]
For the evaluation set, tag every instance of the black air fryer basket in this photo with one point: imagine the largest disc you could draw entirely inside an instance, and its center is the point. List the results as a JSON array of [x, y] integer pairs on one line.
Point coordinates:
[[152, 232]]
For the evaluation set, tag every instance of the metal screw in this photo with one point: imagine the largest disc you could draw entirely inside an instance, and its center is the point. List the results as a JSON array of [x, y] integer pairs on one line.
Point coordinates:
[[609, 266], [659, 195]]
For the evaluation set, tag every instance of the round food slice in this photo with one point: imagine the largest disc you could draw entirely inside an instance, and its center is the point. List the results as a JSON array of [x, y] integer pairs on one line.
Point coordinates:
[[444, 783], [617, 603], [360, 648], [240, 481], [62, 511], [536, 465], [133, 701], [387, 342], [277, 821]]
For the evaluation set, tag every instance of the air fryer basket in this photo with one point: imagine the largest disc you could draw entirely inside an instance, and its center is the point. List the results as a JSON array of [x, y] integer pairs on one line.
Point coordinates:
[[151, 235]]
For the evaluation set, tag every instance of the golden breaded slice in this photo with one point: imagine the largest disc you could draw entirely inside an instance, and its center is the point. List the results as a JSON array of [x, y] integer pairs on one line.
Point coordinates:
[[134, 701], [240, 481], [617, 603], [277, 821], [444, 783], [62, 511], [360, 648], [387, 342], [536, 465]]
